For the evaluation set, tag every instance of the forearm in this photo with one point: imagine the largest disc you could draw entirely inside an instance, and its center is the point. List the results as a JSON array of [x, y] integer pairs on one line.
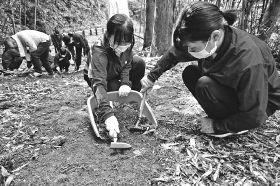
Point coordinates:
[[125, 75], [102, 100], [167, 61]]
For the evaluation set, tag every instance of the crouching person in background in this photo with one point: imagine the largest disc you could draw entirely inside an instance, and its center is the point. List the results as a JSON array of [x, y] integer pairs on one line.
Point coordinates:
[[62, 60], [34, 43], [11, 59]]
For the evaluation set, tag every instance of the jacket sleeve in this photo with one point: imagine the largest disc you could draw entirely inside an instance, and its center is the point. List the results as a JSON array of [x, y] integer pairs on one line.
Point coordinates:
[[84, 43], [56, 60], [68, 56], [167, 61], [86, 46], [98, 73], [252, 94], [125, 74]]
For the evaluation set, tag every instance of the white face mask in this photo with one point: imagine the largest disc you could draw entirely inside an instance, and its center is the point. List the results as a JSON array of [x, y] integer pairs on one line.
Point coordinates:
[[204, 53], [121, 49], [118, 48]]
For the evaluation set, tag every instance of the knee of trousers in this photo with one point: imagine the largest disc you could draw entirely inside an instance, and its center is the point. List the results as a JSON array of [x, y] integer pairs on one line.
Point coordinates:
[[138, 62], [138, 68], [189, 71], [204, 82]]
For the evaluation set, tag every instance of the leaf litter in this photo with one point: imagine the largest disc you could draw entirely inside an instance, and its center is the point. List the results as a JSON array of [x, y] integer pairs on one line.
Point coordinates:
[[183, 155]]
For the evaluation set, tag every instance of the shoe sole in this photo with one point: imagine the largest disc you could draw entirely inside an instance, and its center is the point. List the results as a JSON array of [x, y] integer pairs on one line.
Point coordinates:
[[227, 134]]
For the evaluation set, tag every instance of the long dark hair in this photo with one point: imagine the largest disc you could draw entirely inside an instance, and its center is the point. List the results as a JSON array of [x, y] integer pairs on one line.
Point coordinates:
[[121, 27], [198, 20]]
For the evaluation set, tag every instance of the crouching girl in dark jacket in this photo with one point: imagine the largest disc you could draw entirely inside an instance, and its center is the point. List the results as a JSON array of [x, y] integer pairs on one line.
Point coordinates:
[[114, 67]]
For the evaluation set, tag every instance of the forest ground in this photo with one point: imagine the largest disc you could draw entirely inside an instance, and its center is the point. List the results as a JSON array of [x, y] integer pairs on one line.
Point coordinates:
[[46, 139]]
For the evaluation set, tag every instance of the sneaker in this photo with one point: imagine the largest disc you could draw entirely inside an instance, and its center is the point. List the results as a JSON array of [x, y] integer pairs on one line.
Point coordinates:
[[37, 74], [223, 135]]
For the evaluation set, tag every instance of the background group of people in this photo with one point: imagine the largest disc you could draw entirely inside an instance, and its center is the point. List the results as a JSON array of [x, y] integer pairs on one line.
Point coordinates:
[[33, 47]]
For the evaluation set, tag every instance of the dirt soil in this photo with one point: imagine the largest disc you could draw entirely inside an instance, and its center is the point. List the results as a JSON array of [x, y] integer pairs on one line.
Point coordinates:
[[46, 138]]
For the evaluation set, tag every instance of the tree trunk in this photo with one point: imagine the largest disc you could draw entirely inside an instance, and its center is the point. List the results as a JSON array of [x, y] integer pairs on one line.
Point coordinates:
[[270, 18], [25, 17], [13, 21], [218, 3], [163, 25], [246, 9], [35, 15], [20, 12], [150, 22]]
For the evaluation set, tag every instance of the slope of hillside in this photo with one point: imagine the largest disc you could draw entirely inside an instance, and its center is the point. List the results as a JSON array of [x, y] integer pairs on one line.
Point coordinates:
[[65, 14]]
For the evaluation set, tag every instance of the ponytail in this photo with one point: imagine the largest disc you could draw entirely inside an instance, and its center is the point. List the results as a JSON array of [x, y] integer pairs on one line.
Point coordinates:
[[230, 16]]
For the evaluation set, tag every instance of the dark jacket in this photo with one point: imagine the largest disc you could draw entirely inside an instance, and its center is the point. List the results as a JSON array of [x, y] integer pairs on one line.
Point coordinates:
[[81, 42], [57, 40], [243, 63], [58, 59], [106, 66]]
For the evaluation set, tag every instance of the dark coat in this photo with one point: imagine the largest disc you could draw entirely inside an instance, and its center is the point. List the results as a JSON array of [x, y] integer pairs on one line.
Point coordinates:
[[243, 63]]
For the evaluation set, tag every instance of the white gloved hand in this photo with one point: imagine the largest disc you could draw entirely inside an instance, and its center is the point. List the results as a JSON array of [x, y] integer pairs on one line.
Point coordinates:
[[124, 90], [147, 84], [112, 125]]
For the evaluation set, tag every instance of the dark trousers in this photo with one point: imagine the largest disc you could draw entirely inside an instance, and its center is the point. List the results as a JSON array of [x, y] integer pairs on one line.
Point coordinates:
[[64, 64], [86, 78], [78, 57], [15, 64], [70, 47], [136, 73], [40, 57], [218, 101]]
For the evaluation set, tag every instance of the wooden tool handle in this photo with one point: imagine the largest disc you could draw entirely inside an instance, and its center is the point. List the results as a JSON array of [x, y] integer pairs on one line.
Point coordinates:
[[142, 104]]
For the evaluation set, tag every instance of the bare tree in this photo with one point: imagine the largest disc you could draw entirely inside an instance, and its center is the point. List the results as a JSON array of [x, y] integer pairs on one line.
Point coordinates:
[[270, 18], [35, 15], [150, 22], [164, 25]]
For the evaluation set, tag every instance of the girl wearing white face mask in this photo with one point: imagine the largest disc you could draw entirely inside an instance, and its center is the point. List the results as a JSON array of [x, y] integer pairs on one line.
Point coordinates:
[[114, 67], [236, 81]]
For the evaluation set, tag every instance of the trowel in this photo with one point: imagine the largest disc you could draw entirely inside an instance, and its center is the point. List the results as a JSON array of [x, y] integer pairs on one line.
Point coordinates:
[[119, 145]]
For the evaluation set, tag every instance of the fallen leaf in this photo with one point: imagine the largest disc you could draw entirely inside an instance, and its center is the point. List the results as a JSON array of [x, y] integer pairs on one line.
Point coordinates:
[[260, 176], [167, 146], [4, 172], [155, 87], [138, 152], [278, 139], [207, 173], [211, 145], [162, 179], [177, 169], [192, 142], [19, 168], [9, 180], [185, 184], [240, 183], [217, 172], [189, 153]]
